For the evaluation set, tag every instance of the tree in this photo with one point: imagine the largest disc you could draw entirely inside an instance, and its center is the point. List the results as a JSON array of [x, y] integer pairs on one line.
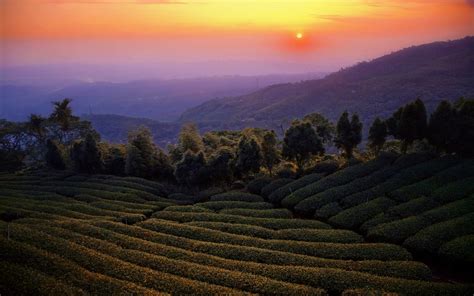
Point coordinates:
[[441, 127], [349, 133], [393, 123], [413, 123], [300, 143], [189, 139], [114, 160], [141, 154], [163, 169], [464, 127], [377, 135], [323, 127], [36, 125], [87, 156], [191, 170], [270, 155], [54, 156], [220, 167], [249, 157]]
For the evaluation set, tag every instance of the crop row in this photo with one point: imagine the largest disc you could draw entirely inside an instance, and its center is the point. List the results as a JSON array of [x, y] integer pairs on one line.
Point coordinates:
[[184, 217], [325, 250], [279, 194], [333, 280], [237, 196], [337, 179], [269, 213], [268, 189], [220, 205], [459, 250]]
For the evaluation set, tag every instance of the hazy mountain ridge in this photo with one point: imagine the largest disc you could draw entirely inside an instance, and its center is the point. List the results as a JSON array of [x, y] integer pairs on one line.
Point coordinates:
[[436, 71]]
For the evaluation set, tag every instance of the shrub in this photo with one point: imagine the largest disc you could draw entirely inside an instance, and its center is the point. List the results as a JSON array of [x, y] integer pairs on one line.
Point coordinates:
[[412, 207], [264, 222], [328, 210], [433, 237], [309, 235], [279, 194], [459, 250], [237, 196], [193, 208], [454, 190], [352, 218], [377, 220], [325, 167], [206, 194], [243, 258], [325, 250], [367, 292], [339, 178], [269, 213], [181, 197], [274, 185], [131, 219], [255, 186], [219, 205]]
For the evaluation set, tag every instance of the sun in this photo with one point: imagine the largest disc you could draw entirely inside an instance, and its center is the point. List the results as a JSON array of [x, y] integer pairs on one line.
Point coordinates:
[[299, 35]]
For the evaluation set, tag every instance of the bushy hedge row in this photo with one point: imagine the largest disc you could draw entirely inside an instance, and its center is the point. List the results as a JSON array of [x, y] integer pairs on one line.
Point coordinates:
[[352, 218], [237, 196], [22, 280], [256, 185], [192, 209], [413, 207], [202, 273], [459, 250], [152, 187], [268, 213], [377, 220], [327, 211], [274, 185], [337, 179], [399, 230], [66, 271], [367, 292], [356, 187], [404, 177], [105, 264], [433, 237], [454, 190], [325, 250], [428, 186], [279, 194], [220, 205], [264, 222], [334, 281], [308, 235], [238, 257]]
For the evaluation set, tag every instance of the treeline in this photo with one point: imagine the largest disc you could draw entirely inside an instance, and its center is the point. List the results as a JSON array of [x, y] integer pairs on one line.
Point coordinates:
[[63, 141]]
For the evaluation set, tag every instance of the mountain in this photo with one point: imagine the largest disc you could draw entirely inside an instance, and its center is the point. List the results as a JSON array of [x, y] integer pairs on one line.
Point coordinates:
[[163, 100], [433, 72]]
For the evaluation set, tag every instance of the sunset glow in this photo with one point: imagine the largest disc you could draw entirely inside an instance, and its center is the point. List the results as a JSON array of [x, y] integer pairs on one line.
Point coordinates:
[[92, 31]]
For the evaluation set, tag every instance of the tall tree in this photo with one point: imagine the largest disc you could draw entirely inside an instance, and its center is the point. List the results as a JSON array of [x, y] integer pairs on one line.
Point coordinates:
[[191, 170], [441, 127], [323, 127], [220, 166], [413, 123], [270, 153], [349, 133], [54, 155], [189, 139], [87, 156], [141, 154], [249, 157], [300, 143], [377, 135], [393, 123], [464, 127]]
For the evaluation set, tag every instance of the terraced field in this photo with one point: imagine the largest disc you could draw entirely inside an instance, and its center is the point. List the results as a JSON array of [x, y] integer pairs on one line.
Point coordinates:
[[103, 235]]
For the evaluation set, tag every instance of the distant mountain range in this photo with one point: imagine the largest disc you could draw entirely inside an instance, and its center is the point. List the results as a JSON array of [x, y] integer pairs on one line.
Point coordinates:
[[163, 100], [433, 72]]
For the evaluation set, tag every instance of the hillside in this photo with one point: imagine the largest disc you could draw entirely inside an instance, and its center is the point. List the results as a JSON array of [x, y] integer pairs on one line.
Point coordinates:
[[102, 235], [437, 71]]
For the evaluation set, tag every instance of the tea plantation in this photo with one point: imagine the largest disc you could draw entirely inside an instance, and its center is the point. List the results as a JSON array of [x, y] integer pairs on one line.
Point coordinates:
[[365, 226]]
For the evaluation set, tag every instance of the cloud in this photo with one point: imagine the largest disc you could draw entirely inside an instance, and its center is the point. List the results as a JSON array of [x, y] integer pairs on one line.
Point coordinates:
[[470, 2]]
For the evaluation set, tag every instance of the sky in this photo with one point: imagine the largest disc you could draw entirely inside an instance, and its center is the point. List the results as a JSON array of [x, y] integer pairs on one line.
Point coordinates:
[[223, 36]]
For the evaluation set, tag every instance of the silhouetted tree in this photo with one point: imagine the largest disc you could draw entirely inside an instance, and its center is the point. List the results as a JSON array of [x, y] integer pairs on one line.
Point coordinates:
[[464, 127], [393, 123], [323, 127], [114, 160], [413, 123], [141, 154], [220, 166], [300, 143], [189, 139], [86, 155], [191, 169], [163, 169], [377, 135], [441, 127], [54, 156], [270, 153], [349, 133], [249, 157]]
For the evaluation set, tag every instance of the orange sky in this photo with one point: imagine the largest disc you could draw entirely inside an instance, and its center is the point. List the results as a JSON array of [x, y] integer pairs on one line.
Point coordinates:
[[335, 32]]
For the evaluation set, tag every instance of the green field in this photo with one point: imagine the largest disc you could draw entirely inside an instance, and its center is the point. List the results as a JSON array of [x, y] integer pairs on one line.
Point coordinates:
[[365, 227]]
